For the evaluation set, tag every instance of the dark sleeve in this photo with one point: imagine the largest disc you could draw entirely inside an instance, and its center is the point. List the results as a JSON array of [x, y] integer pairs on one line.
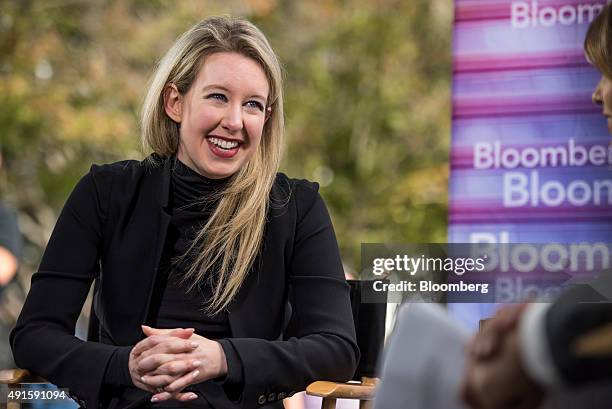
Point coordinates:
[[320, 338], [117, 372], [567, 321], [234, 366], [233, 382], [43, 339]]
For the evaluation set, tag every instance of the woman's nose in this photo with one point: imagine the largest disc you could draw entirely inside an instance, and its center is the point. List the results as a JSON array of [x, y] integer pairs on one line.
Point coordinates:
[[232, 119], [596, 97]]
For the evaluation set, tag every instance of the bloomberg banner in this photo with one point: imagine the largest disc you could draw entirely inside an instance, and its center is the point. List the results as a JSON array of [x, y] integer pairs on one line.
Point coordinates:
[[531, 160]]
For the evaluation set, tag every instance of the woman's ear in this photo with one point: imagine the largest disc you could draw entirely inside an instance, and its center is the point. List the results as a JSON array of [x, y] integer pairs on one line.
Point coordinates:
[[173, 103], [268, 114]]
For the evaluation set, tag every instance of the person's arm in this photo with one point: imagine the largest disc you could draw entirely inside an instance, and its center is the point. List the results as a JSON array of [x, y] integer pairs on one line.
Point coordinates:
[[568, 325], [117, 372], [8, 266], [233, 381], [11, 244], [43, 339], [534, 347], [554, 346], [320, 340]]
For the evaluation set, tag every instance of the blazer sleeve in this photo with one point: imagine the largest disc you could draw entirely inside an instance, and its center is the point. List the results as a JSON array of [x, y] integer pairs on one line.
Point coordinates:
[[43, 339], [320, 338], [568, 325]]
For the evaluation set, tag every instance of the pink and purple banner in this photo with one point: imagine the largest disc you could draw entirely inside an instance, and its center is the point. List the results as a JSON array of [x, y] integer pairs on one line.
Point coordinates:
[[530, 158]]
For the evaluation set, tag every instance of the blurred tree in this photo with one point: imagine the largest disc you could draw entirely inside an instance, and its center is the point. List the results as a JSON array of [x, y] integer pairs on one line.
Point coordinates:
[[367, 102], [368, 108]]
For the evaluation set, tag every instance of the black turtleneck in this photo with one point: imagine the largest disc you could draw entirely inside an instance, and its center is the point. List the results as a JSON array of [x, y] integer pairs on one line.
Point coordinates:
[[193, 198]]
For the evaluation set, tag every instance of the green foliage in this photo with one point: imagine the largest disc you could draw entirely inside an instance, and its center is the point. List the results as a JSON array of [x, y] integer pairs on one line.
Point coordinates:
[[366, 89]]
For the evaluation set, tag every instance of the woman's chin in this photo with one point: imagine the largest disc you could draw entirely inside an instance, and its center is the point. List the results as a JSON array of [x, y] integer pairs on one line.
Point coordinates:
[[218, 172]]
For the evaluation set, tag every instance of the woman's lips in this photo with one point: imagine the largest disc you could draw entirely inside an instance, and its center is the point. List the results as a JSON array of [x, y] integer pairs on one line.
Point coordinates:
[[216, 146]]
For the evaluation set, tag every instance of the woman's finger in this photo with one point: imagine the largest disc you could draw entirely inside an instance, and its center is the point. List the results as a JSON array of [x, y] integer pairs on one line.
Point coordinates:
[[183, 382], [157, 381], [161, 397], [177, 332], [176, 368], [171, 346], [151, 363], [147, 343], [163, 344], [180, 396], [185, 397], [184, 333]]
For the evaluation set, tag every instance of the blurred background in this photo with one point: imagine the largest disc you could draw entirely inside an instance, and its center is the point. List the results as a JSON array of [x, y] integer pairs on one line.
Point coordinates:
[[367, 91]]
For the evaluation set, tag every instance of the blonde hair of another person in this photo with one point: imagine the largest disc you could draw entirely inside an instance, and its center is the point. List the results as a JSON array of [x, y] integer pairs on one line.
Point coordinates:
[[233, 235]]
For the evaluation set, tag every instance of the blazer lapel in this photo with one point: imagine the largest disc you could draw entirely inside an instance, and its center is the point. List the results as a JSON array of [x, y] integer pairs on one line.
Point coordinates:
[[158, 229]]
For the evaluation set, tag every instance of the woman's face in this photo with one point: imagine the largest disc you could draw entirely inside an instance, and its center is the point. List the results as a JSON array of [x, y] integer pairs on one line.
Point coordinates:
[[221, 116], [602, 95]]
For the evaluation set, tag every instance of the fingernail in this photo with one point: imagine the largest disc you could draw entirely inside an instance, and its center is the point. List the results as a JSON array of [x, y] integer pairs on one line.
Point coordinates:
[[192, 396], [196, 363], [194, 345], [196, 373], [142, 379], [154, 399]]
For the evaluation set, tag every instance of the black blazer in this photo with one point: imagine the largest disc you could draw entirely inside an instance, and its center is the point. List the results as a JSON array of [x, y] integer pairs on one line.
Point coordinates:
[[112, 230], [568, 320]]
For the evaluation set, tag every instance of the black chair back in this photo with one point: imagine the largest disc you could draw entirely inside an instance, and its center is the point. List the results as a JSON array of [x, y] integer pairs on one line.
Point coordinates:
[[369, 321]]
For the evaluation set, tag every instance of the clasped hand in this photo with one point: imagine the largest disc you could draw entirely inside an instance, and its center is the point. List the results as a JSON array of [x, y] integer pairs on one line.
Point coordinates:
[[169, 360], [495, 377]]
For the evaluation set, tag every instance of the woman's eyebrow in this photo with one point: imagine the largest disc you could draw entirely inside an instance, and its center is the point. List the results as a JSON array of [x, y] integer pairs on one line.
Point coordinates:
[[259, 96], [224, 88], [214, 86]]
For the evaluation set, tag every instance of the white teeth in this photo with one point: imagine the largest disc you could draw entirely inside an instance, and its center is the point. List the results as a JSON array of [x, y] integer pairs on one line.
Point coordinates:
[[223, 144]]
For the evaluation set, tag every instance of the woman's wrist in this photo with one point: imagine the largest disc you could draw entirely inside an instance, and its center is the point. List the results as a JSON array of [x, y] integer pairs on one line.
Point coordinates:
[[222, 361]]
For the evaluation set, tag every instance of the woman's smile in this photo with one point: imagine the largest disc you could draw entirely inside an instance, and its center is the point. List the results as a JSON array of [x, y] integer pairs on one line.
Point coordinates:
[[223, 147]]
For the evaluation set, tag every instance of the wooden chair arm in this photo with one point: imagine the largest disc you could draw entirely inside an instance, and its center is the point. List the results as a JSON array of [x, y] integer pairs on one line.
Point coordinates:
[[15, 376], [339, 390]]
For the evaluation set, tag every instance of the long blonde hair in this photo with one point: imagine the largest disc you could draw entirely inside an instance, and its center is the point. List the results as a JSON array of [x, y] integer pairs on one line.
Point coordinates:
[[231, 239], [598, 41]]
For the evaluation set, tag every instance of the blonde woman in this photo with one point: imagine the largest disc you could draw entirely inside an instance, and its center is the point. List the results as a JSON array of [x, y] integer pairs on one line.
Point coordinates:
[[218, 280]]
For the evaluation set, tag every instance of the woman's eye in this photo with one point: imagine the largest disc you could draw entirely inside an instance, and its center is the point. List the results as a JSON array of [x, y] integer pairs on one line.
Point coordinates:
[[255, 104], [219, 97]]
